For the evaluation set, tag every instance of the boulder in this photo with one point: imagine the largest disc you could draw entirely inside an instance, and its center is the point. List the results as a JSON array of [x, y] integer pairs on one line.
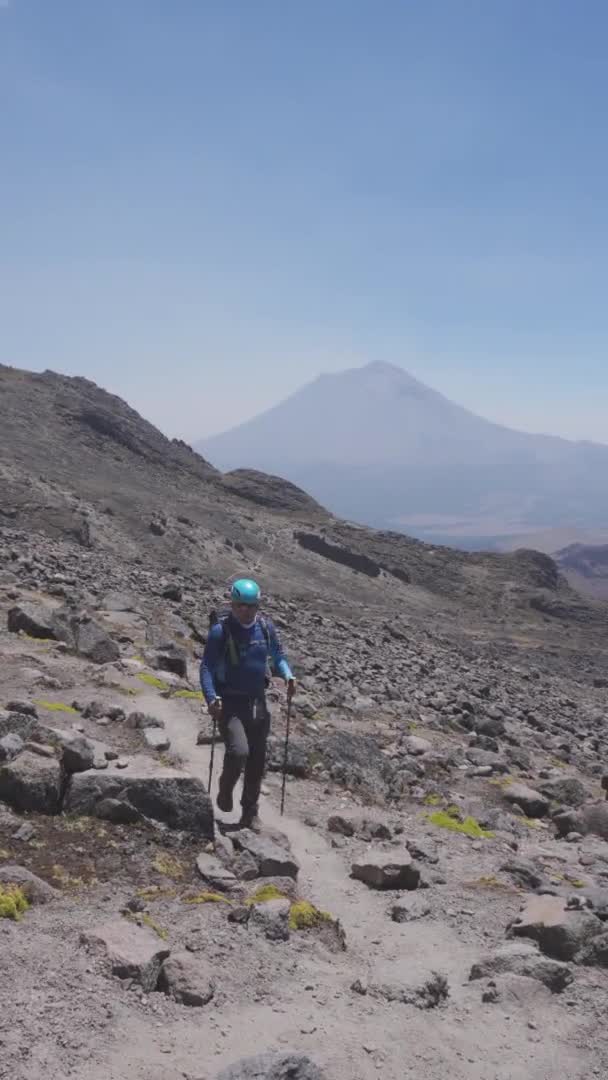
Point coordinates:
[[31, 782], [156, 738], [78, 754], [560, 932], [489, 725], [186, 979], [594, 819], [387, 870], [417, 746], [157, 792], [567, 790], [270, 858], [533, 804], [272, 918], [15, 723], [172, 658], [10, 745], [341, 825], [524, 873], [518, 958], [214, 873], [595, 952], [25, 708], [273, 1067], [84, 636], [129, 951], [95, 644], [33, 619], [36, 890]]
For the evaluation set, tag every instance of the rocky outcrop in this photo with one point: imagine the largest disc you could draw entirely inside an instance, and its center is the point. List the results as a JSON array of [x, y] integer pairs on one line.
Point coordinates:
[[152, 791]]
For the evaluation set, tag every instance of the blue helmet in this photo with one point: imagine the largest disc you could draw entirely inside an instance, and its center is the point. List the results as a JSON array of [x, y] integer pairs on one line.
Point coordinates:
[[245, 591]]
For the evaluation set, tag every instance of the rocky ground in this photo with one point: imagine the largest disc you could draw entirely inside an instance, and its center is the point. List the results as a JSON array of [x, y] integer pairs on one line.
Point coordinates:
[[444, 810], [432, 903]]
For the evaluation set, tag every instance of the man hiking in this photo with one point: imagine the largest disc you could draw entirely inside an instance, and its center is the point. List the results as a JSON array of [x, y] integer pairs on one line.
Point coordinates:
[[233, 680]]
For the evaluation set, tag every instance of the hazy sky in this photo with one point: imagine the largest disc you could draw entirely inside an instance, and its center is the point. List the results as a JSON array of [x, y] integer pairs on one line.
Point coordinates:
[[205, 203]]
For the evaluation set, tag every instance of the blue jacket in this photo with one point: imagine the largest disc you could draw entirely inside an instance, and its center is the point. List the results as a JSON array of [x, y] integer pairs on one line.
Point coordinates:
[[220, 676]]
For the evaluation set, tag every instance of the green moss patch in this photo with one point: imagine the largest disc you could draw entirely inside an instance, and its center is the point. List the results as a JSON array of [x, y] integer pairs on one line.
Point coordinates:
[[207, 898], [305, 916], [56, 706], [189, 695], [264, 894], [152, 680], [447, 819], [13, 902]]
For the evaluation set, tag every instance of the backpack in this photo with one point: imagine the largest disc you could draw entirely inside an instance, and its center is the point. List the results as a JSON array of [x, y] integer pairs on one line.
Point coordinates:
[[231, 654]]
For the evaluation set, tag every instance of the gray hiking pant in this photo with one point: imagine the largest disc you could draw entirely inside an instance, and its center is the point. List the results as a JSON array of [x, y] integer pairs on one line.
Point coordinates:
[[244, 728]]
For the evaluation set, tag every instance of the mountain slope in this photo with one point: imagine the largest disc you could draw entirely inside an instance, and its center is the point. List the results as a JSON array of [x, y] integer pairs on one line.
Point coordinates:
[[377, 445], [77, 462]]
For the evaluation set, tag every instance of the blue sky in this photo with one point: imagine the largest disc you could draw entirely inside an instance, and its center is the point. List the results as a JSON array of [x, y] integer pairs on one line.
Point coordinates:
[[205, 203]]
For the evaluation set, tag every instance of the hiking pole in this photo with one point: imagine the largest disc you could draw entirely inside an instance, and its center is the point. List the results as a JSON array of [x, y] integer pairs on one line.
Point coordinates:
[[285, 755], [212, 759], [213, 733]]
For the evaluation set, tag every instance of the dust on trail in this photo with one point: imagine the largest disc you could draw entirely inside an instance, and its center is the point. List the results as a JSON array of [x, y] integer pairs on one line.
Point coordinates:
[[352, 1037]]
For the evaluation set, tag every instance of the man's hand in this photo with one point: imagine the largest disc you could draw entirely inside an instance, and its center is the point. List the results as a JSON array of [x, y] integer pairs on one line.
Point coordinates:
[[291, 689], [214, 708]]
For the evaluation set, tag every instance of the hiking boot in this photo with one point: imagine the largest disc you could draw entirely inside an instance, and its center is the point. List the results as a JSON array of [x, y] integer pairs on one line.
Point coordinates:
[[224, 799], [250, 819]]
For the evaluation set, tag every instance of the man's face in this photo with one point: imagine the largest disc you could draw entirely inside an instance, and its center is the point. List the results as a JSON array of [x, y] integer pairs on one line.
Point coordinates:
[[244, 613]]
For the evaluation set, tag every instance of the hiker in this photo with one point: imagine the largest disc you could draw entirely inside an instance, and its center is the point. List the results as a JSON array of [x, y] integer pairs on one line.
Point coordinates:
[[234, 678]]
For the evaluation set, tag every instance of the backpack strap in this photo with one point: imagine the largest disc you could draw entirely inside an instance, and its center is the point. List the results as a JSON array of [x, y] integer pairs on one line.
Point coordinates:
[[230, 648]]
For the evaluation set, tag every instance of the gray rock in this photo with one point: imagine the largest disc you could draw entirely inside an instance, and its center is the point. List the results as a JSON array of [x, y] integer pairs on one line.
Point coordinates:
[[156, 738], [187, 980], [489, 725], [25, 708], [595, 952], [410, 910], [118, 811], [559, 932], [524, 873], [172, 658], [84, 636], [272, 918], [387, 870], [14, 723], [95, 644], [525, 960], [138, 720], [129, 951], [31, 782], [416, 746], [532, 803], [567, 790], [215, 873], [273, 1067], [341, 825], [157, 792], [36, 890], [78, 754], [271, 860], [10, 746], [594, 819], [33, 619]]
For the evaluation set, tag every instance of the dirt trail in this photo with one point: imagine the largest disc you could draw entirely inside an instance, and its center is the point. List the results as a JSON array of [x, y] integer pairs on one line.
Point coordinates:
[[354, 1037]]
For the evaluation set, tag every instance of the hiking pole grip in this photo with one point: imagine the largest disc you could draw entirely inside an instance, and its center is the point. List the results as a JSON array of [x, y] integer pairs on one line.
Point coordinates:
[[285, 756]]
